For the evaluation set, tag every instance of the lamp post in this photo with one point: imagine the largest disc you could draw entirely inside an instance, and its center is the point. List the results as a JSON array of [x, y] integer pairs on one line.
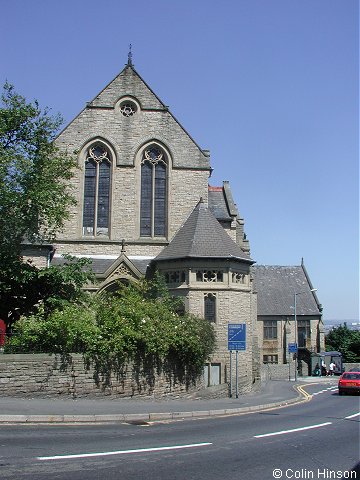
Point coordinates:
[[296, 332]]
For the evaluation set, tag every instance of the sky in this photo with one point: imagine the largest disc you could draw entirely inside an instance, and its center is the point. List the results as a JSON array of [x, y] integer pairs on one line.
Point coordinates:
[[270, 87]]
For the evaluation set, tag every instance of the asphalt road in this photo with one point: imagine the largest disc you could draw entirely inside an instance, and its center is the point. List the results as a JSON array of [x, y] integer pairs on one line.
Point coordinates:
[[314, 440]]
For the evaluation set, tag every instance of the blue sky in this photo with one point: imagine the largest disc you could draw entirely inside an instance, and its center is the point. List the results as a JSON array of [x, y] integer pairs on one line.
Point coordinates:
[[270, 87]]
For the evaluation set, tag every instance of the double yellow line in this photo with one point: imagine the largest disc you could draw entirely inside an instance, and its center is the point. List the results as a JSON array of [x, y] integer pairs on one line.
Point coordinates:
[[307, 396]]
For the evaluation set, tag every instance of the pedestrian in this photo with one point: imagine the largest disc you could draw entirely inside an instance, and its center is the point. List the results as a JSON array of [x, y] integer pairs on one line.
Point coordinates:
[[331, 368], [323, 368]]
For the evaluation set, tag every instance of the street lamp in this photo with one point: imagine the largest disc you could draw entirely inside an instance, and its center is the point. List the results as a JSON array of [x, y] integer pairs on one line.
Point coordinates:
[[295, 325]]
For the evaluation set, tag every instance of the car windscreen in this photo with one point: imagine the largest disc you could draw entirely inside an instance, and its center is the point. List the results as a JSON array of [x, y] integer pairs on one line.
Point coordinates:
[[352, 376]]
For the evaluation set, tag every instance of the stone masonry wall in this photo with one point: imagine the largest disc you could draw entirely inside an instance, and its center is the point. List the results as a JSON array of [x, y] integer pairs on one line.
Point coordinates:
[[188, 165], [232, 307], [185, 190], [44, 374]]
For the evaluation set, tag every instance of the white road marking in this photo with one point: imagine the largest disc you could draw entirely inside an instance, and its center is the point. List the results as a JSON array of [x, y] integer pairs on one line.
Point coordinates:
[[325, 390], [293, 430], [122, 452], [353, 416]]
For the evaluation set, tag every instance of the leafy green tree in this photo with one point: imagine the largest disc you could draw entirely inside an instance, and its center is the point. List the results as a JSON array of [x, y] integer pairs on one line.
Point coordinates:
[[27, 288], [346, 341], [34, 193]]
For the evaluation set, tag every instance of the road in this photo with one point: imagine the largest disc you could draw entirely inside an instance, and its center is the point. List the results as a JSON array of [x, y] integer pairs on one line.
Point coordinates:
[[314, 440]]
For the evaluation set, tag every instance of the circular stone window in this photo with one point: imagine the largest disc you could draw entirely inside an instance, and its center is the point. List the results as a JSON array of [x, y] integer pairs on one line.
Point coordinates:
[[127, 108]]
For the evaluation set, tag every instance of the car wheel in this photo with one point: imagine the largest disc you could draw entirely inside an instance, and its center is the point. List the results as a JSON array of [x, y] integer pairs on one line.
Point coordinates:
[[341, 392]]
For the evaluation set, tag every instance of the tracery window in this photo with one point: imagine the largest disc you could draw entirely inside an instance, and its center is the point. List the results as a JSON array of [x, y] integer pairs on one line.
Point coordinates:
[[176, 276], [97, 191], [209, 276], [238, 277], [128, 108], [153, 193]]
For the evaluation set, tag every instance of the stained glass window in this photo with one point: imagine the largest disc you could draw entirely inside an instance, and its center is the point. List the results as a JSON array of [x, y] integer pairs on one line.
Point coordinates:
[[97, 192], [153, 193]]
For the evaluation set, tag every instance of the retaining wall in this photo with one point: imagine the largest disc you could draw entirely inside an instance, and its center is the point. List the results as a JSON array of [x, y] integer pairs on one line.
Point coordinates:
[[44, 374]]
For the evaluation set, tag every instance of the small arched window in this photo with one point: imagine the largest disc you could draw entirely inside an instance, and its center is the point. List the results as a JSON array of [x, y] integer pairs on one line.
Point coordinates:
[[153, 203], [97, 191]]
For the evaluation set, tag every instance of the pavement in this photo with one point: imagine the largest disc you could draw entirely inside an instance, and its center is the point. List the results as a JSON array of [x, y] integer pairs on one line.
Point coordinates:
[[36, 409]]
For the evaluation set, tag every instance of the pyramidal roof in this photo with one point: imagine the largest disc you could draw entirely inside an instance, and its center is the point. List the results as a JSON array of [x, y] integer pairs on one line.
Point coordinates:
[[202, 236]]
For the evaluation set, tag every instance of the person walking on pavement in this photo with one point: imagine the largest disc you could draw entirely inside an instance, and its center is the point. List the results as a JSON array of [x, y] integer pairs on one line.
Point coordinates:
[[331, 368]]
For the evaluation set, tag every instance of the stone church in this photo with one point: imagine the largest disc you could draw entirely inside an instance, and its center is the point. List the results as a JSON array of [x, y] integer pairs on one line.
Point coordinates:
[[144, 202]]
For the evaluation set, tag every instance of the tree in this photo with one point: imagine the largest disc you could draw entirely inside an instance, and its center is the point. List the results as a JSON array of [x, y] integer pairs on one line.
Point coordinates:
[[34, 195], [34, 192], [346, 341], [27, 288]]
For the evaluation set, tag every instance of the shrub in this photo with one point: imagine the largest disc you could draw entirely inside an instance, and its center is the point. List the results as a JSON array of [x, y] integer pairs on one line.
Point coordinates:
[[134, 324]]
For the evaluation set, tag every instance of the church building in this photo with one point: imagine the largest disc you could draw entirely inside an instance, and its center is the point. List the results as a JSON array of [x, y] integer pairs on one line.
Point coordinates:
[[144, 203]]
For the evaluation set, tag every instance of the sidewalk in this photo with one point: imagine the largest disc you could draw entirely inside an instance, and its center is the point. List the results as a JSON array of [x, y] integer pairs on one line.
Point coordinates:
[[274, 393]]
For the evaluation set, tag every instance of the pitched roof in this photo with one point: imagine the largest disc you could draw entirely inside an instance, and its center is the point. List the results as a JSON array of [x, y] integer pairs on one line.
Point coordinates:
[[276, 286], [129, 83], [101, 265], [217, 204], [202, 236]]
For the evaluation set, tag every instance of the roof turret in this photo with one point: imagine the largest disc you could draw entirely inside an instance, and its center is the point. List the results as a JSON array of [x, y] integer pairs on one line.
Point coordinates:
[[202, 236]]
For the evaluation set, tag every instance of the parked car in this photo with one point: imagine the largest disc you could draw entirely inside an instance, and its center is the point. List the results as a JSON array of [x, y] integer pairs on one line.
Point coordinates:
[[349, 382]]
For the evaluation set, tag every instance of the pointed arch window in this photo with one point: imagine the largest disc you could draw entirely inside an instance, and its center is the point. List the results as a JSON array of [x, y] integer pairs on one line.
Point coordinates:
[[153, 203], [210, 307], [96, 212]]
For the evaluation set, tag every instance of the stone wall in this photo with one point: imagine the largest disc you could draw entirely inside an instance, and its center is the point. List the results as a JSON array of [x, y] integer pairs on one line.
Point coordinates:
[[350, 366], [276, 372], [44, 374]]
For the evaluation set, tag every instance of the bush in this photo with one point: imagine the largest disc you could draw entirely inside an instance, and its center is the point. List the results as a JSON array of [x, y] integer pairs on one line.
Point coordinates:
[[134, 324]]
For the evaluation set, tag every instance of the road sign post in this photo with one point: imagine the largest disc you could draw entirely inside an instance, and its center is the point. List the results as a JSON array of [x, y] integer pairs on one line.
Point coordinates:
[[236, 336], [292, 348], [236, 341], [230, 393]]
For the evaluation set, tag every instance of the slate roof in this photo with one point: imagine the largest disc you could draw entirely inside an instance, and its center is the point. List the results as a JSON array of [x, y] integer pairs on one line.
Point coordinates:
[[100, 265], [217, 204], [202, 236], [97, 265], [275, 287]]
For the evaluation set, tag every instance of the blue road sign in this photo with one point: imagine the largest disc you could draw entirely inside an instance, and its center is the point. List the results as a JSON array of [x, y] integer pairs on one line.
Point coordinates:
[[236, 336], [292, 348]]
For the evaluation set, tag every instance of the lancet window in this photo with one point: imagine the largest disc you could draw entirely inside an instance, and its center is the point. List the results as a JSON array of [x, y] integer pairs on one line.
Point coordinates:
[[96, 211], [153, 203]]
